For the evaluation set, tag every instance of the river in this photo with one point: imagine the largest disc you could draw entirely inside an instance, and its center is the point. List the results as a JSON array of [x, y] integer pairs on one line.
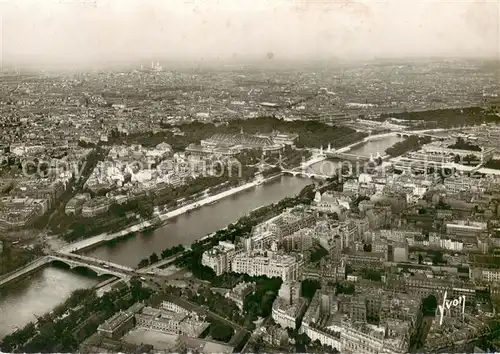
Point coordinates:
[[38, 294], [374, 146], [189, 227], [44, 290]]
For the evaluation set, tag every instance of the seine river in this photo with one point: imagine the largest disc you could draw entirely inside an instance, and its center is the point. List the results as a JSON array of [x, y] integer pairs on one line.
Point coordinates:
[[44, 290], [189, 227], [38, 294]]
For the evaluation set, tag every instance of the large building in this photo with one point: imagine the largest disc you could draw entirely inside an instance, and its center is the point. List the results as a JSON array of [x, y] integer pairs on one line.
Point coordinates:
[[468, 232], [422, 161], [400, 252], [484, 155], [293, 221], [18, 213], [231, 144], [421, 286], [120, 323], [75, 205], [219, 257], [485, 268], [462, 183], [239, 293], [268, 263], [179, 321], [96, 206], [288, 307]]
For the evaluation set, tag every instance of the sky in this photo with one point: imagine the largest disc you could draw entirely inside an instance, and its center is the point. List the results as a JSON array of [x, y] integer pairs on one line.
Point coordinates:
[[97, 31]]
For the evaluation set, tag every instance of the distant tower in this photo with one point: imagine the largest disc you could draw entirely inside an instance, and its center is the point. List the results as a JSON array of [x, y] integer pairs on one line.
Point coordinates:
[[321, 149], [241, 130], [329, 147]]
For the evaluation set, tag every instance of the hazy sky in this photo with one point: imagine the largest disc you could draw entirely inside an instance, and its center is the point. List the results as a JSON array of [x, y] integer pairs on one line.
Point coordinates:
[[85, 31]]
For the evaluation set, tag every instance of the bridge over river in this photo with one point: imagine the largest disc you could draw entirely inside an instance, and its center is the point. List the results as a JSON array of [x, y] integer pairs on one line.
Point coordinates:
[[100, 267], [73, 261]]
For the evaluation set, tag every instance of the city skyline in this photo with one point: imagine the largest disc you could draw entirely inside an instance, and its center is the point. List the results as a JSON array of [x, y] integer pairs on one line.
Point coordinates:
[[86, 33]]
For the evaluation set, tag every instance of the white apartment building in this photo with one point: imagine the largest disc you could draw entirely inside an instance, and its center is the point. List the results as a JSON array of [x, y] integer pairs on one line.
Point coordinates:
[[463, 183], [288, 306], [398, 235], [219, 257], [355, 341], [325, 338], [269, 264], [490, 275], [285, 314], [451, 245], [466, 229]]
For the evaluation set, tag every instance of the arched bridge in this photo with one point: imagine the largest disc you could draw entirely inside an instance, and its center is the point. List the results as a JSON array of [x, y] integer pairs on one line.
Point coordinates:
[[98, 266], [422, 133], [306, 174], [73, 261], [347, 156]]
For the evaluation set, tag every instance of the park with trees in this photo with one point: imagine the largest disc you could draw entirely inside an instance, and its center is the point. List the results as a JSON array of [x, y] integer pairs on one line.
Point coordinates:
[[312, 134], [412, 143], [445, 118]]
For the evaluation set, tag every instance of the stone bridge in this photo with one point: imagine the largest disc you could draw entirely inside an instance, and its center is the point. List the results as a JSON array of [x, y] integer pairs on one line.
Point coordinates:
[[98, 266], [347, 156], [306, 174], [422, 133], [73, 261]]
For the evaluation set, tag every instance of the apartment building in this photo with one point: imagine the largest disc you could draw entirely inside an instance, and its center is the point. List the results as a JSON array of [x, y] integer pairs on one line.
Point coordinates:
[[219, 257], [18, 213], [239, 292], [466, 231], [269, 264], [96, 206]]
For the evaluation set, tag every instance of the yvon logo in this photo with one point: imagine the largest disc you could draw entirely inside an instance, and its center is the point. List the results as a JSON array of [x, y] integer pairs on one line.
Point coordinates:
[[447, 304]]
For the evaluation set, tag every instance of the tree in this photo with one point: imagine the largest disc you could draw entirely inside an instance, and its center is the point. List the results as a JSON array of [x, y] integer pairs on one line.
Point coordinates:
[[145, 210], [367, 247], [348, 289], [437, 258], [373, 275], [309, 287], [429, 305], [221, 332], [153, 258]]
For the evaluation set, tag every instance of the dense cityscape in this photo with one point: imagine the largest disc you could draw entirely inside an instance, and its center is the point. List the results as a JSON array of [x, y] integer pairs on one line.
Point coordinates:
[[322, 206]]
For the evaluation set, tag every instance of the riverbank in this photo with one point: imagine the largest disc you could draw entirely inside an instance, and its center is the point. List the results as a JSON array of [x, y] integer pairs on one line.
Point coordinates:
[[161, 219], [215, 198]]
